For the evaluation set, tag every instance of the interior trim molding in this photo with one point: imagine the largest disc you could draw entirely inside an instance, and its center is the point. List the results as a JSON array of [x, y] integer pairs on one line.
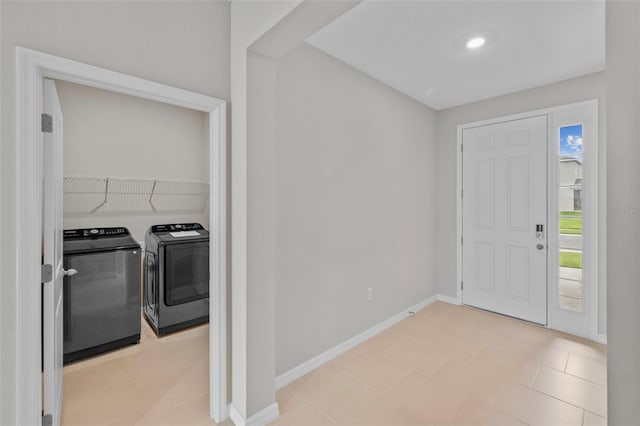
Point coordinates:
[[262, 417], [601, 338], [326, 356], [448, 299]]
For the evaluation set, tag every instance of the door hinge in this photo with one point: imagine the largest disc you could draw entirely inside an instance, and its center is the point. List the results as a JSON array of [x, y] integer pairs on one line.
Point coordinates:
[[462, 240], [47, 420], [47, 123], [461, 147], [46, 273], [461, 285], [461, 193]]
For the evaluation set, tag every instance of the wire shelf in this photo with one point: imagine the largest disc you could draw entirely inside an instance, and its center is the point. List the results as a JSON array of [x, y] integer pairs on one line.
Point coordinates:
[[112, 195]]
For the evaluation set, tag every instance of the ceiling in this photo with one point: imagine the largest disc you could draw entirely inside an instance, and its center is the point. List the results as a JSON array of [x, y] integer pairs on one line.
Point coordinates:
[[418, 47]]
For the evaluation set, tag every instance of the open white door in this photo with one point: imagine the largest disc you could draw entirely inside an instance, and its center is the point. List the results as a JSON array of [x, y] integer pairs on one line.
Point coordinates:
[[504, 251], [52, 325]]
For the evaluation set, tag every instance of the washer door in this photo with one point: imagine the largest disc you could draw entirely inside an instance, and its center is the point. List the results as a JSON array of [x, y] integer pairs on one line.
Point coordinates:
[[102, 301], [186, 275]]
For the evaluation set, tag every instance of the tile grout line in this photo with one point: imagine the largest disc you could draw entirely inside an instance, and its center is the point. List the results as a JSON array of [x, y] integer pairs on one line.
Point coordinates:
[[587, 357], [510, 416], [584, 378], [406, 373], [596, 414], [297, 394], [570, 374], [566, 362], [360, 380], [535, 376], [317, 407], [395, 382], [562, 400]]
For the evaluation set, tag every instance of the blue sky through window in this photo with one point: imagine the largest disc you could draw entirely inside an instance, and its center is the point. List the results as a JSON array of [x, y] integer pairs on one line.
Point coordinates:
[[571, 141]]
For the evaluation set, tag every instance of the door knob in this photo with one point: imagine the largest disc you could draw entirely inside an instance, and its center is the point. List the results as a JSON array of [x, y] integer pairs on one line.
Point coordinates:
[[70, 272], [540, 246]]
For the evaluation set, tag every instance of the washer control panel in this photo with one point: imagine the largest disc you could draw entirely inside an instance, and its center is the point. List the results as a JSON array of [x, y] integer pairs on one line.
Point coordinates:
[[89, 233]]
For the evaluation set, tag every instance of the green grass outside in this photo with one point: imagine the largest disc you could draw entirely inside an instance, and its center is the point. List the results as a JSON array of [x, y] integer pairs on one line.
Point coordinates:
[[571, 225], [569, 259], [571, 213]]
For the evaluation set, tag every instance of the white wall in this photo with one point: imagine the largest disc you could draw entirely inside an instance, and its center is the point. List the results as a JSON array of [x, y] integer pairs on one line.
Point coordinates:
[[355, 203], [115, 135], [252, 389], [1, 222], [183, 44], [623, 249], [261, 32], [575, 90], [261, 229]]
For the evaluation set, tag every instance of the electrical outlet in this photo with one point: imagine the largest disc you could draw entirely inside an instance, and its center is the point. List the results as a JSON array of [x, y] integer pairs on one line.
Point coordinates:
[[370, 293]]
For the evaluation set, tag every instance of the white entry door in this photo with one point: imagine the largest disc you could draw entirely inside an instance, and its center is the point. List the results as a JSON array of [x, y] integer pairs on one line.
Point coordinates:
[[52, 321], [504, 247]]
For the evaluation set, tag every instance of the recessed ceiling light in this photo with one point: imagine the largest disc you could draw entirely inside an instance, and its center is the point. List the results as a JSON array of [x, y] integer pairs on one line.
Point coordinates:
[[475, 42]]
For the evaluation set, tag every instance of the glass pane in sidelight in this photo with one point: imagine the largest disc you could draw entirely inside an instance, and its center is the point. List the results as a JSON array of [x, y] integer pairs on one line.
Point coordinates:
[[570, 204]]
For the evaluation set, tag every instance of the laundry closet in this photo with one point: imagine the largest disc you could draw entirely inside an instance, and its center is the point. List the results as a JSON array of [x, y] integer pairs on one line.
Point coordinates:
[[136, 220]]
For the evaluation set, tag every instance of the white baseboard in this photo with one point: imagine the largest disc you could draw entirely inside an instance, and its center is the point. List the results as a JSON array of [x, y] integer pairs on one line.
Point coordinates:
[[601, 338], [447, 299], [326, 356], [235, 416], [261, 418], [224, 412]]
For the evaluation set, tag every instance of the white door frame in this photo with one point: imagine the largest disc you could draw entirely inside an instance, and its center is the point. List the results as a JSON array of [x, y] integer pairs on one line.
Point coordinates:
[[590, 173], [32, 68]]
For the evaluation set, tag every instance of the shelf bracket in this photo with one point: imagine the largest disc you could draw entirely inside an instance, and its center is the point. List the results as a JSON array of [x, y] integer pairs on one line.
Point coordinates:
[[153, 190], [106, 191]]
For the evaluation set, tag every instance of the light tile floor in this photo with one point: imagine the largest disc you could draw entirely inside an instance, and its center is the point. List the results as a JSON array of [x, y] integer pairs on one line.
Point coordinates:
[[161, 381], [446, 365], [451, 365]]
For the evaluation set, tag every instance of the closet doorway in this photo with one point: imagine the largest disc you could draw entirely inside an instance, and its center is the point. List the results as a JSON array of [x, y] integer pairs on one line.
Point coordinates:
[[32, 70]]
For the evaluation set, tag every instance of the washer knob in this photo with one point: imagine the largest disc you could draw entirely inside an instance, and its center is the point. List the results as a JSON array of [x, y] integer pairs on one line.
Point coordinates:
[[94, 231]]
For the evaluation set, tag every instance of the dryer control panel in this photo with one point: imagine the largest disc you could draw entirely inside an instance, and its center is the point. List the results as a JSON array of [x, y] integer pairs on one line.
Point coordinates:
[[176, 227]]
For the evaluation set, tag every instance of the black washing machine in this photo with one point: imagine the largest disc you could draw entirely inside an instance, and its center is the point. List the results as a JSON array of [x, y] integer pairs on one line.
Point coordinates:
[[101, 291], [176, 279]]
